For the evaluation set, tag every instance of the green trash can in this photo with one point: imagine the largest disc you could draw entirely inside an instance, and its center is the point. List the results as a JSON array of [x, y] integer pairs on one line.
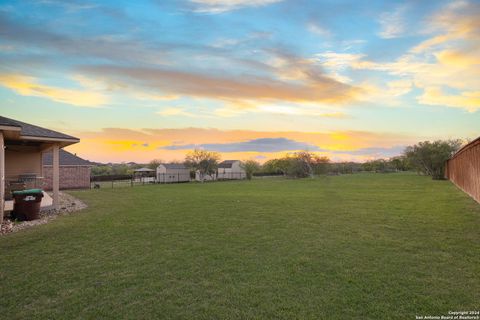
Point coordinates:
[[27, 204]]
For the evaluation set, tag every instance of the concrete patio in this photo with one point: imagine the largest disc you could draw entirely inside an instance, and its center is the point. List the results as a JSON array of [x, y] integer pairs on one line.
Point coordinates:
[[47, 203]]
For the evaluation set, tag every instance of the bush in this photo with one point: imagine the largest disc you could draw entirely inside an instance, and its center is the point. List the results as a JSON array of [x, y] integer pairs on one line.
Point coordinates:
[[250, 167], [429, 157]]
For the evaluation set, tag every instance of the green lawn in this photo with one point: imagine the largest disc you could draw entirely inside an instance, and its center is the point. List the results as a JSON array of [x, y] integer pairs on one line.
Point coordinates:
[[365, 246]]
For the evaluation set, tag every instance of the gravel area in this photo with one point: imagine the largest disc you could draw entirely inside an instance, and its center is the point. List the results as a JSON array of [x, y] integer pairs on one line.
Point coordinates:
[[68, 205]]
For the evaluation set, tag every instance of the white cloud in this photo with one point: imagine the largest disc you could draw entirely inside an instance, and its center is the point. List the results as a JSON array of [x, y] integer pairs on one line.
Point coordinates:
[[174, 112], [392, 23], [338, 60], [219, 6], [336, 63], [286, 109], [318, 30], [181, 112], [445, 66], [399, 87]]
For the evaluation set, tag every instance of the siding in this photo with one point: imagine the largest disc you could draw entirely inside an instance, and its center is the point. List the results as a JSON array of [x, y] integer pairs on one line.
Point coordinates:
[[173, 176], [166, 174], [463, 169]]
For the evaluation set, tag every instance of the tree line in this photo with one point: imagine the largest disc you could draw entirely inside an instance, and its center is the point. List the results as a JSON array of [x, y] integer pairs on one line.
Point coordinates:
[[426, 158]]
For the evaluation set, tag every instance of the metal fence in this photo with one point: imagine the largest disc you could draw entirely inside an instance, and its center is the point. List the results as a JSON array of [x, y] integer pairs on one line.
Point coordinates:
[[117, 181], [463, 169], [111, 181], [231, 175], [175, 177], [21, 182]]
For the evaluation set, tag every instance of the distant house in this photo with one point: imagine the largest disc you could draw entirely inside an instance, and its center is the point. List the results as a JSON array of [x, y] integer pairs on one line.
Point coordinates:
[[74, 171], [172, 172], [230, 169]]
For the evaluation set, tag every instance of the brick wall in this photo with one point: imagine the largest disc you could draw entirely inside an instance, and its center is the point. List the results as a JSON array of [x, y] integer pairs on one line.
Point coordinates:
[[71, 177]]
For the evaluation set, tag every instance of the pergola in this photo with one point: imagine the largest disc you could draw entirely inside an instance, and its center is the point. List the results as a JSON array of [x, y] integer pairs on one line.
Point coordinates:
[[21, 149], [143, 171]]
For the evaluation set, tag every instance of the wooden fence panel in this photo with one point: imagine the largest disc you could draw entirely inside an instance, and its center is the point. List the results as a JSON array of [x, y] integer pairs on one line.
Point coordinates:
[[463, 169]]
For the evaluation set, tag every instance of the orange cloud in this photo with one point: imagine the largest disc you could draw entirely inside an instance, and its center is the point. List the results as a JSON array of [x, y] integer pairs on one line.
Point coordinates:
[[314, 86], [466, 100], [28, 86], [458, 58], [144, 145], [458, 20]]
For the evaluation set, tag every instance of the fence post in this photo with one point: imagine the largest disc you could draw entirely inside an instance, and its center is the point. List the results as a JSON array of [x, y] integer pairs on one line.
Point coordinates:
[[112, 183]]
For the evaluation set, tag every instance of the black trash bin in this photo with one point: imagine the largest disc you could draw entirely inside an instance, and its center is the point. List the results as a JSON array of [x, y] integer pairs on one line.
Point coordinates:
[[27, 204]]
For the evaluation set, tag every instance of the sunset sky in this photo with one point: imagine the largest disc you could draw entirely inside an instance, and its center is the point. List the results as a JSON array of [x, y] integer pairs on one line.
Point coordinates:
[[139, 80]]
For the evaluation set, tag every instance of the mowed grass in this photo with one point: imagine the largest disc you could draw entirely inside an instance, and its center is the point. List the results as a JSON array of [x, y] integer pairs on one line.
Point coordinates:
[[365, 246]]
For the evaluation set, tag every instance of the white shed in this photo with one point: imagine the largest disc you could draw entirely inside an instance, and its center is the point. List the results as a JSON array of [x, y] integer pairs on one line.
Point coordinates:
[[172, 172], [230, 169]]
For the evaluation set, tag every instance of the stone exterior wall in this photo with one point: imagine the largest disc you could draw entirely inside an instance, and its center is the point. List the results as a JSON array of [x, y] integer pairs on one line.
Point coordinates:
[[71, 177]]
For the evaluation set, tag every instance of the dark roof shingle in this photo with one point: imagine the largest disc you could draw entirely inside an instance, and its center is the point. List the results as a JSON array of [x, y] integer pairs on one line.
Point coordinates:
[[227, 163], [178, 166], [66, 159], [144, 170], [34, 131]]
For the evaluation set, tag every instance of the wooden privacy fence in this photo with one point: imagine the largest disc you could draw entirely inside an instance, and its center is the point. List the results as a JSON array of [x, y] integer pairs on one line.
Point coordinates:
[[463, 169]]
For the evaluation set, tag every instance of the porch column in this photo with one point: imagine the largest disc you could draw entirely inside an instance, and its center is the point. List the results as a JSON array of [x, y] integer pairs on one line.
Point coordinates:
[[56, 175], [2, 176]]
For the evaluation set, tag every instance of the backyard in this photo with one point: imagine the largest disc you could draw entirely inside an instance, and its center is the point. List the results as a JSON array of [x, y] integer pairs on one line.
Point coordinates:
[[365, 246]]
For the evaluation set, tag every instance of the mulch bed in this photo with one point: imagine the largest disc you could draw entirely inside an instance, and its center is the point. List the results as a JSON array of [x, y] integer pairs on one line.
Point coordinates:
[[68, 205]]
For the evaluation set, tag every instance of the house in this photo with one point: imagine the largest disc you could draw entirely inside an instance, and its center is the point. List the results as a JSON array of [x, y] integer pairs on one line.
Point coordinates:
[[74, 171], [230, 169], [172, 172], [21, 148]]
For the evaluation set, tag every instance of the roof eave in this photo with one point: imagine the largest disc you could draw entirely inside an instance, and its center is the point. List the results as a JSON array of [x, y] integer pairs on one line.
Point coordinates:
[[62, 141], [10, 128], [40, 138], [69, 165]]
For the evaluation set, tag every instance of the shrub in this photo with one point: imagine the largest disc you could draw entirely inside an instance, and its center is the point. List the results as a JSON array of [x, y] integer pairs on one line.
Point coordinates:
[[429, 157], [250, 167]]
